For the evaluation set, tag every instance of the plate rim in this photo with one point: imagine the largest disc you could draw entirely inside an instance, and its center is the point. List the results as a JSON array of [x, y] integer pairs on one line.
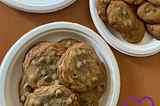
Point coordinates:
[[115, 43], [42, 28], [38, 9]]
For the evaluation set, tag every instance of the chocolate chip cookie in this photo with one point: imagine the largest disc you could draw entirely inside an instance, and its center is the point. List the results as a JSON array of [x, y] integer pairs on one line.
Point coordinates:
[[149, 13], [66, 43], [24, 89], [87, 99], [101, 6], [134, 2], [40, 64], [79, 68], [120, 16], [55, 95], [101, 87], [137, 33], [154, 30], [155, 2]]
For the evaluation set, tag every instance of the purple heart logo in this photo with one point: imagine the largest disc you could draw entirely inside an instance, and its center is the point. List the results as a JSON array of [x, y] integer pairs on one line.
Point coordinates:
[[139, 101]]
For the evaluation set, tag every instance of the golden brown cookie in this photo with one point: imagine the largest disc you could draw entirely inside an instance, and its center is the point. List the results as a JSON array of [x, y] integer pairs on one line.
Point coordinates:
[[87, 99], [101, 87], [134, 2], [136, 34], [101, 6], [24, 89], [154, 30], [40, 64], [120, 16], [149, 13], [155, 2], [79, 68], [66, 43], [55, 95]]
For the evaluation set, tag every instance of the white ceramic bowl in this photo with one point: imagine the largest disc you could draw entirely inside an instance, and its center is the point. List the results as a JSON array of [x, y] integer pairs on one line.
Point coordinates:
[[11, 67], [148, 46], [38, 6]]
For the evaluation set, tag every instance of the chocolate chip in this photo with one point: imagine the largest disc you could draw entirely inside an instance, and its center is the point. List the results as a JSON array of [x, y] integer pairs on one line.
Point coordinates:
[[42, 59], [154, 9], [73, 90], [69, 84], [23, 98], [79, 52], [48, 59], [124, 12], [69, 101], [84, 61], [31, 54], [130, 35], [69, 43], [47, 78], [84, 51], [147, 10], [28, 88], [58, 54], [79, 64], [102, 86], [58, 92], [97, 62], [74, 76], [102, 77]]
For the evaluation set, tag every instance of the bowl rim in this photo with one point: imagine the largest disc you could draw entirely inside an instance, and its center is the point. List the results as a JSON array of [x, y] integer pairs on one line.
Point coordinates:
[[132, 50], [74, 26], [38, 8]]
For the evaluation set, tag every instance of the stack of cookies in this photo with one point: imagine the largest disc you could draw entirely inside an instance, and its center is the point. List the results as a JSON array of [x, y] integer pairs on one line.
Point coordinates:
[[67, 73], [129, 16]]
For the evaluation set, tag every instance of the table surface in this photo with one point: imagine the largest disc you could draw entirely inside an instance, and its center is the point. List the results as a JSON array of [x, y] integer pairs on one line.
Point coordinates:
[[139, 76]]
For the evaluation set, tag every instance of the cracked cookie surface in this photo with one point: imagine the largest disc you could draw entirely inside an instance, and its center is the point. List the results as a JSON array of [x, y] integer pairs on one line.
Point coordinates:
[[79, 68], [54, 95], [40, 64]]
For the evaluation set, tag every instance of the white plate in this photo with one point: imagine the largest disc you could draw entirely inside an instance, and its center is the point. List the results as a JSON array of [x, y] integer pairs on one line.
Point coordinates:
[[148, 46], [38, 6], [11, 67]]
